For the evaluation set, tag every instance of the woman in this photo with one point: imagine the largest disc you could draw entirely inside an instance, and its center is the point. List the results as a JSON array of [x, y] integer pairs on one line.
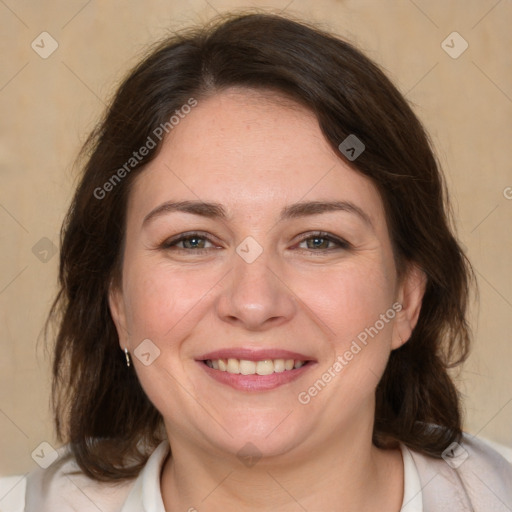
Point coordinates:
[[260, 293]]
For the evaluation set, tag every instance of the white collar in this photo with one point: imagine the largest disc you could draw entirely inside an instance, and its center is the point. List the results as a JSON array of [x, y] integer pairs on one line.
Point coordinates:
[[146, 494], [413, 497]]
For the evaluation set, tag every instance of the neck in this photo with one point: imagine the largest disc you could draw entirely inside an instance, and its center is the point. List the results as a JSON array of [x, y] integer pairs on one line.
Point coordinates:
[[345, 473]]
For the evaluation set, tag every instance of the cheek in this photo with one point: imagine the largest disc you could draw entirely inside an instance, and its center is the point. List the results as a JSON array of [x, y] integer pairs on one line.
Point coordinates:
[[165, 305], [357, 307], [159, 298], [348, 300]]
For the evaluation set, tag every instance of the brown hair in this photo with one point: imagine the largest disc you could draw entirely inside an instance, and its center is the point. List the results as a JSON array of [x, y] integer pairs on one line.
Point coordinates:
[[100, 407]]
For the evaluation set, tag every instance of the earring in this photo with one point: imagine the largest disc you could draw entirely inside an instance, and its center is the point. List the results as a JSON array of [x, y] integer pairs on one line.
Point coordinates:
[[127, 355]]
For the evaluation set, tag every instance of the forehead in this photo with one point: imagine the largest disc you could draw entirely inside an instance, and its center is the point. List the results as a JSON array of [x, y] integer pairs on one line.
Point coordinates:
[[250, 149]]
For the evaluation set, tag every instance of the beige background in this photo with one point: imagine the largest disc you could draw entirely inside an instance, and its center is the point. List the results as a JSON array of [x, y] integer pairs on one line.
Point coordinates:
[[49, 105]]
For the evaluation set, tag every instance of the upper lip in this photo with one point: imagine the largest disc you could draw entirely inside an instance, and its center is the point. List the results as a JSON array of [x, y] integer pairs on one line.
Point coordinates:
[[250, 354]]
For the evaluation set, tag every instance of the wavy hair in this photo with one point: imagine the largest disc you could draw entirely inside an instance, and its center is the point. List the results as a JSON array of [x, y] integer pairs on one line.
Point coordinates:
[[100, 409]]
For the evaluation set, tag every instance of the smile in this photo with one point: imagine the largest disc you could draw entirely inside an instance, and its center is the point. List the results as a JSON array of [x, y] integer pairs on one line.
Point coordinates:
[[250, 369], [247, 367]]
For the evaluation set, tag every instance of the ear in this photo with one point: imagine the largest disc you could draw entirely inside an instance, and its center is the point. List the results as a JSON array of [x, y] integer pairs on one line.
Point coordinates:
[[118, 313], [410, 295]]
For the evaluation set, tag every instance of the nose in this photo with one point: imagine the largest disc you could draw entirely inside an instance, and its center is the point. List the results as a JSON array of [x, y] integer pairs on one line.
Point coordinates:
[[255, 295]]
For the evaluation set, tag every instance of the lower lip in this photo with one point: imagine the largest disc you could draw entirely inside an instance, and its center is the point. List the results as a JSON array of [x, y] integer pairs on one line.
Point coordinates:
[[255, 382]]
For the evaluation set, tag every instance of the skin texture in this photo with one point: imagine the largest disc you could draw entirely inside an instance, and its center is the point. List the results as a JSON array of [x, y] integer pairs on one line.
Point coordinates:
[[256, 153]]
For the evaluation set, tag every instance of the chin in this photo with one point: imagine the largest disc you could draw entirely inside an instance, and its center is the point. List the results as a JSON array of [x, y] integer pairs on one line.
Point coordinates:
[[257, 437]]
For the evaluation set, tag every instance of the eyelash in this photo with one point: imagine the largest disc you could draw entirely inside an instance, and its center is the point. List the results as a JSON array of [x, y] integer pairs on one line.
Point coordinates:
[[171, 244]]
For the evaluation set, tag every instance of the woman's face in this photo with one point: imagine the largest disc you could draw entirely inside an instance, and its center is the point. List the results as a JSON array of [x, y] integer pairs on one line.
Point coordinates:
[[287, 257]]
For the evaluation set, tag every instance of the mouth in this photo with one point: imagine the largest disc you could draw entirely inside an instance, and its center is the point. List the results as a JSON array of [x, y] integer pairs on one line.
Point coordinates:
[[255, 370]]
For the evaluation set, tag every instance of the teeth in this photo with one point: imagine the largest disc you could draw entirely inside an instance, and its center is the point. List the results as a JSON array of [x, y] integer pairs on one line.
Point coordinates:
[[279, 365], [265, 367], [246, 367], [233, 366]]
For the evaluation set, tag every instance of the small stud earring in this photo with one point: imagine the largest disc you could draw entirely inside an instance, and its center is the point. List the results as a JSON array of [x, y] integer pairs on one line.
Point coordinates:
[[127, 355]]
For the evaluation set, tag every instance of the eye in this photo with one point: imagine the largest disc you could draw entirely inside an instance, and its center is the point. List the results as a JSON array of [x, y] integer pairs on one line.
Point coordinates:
[[191, 242], [198, 242], [321, 241]]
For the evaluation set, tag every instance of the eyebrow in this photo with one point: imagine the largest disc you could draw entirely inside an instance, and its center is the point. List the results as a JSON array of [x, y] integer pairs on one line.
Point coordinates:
[[296, 210]]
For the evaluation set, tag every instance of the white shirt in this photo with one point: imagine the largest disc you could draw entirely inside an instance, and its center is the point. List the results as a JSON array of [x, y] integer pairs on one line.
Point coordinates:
[[77, 493], [474, 478], [413, 498]]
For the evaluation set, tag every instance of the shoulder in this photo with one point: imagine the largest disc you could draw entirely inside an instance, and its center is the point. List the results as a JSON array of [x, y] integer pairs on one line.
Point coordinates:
[[63, 487], [471, 476], [12, 493]]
